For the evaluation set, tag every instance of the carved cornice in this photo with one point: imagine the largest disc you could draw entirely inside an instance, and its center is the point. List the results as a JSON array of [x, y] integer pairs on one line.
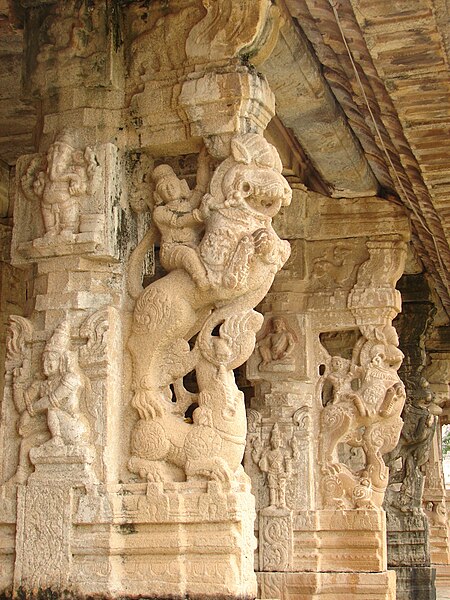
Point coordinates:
[[380, 102]]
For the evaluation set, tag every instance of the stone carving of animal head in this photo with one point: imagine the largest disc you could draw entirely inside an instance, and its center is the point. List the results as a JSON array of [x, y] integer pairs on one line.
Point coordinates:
[[251, 177]]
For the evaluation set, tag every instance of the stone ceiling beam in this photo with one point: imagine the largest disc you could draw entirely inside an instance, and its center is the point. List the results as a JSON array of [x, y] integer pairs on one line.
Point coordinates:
[[306, 105]]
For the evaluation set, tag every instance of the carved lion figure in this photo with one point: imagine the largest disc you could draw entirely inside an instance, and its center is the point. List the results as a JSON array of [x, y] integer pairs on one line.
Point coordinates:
[[240, 254], [363, 400]]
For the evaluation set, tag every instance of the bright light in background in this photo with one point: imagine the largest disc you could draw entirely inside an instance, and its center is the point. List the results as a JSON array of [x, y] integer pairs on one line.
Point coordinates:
[[446, 453]]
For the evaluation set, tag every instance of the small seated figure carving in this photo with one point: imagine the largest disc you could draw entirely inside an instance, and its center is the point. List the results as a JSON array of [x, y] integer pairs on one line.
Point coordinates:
[[277, 345], [57, 398], [179, 219]]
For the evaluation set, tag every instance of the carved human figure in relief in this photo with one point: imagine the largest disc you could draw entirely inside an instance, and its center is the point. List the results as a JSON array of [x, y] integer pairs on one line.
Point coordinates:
[[179, 220], [277, 464], [66, 177], [406, 461], [338, 380], [363, 399], [277, 345], [53, 404], [222, 256]]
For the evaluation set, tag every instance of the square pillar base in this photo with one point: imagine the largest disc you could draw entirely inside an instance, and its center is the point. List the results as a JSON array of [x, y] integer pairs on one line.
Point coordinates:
[[416, 583], [173, 540], [327, 586]]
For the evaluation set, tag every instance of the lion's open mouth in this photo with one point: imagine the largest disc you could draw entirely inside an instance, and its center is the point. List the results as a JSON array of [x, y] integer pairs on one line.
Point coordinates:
[[268, 198]]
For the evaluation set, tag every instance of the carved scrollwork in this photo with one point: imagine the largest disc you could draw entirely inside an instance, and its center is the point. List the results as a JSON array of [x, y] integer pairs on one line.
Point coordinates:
[[302, 419], [19, 336], [95, 329], [253, 420]]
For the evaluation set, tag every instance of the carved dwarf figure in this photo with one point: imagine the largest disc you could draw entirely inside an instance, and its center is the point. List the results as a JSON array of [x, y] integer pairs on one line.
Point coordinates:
[[276, 463], [57, 399], [179, 220], [66, 177], [277, 345]]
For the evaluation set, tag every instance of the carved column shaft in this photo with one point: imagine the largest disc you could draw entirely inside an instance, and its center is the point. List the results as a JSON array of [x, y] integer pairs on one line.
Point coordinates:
[[407, 525], [434, 498], [129, 95], [327, 401]]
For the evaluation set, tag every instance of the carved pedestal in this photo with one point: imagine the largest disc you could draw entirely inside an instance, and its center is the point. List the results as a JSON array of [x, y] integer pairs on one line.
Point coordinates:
[[327, 405], [176, 540], [183, 539]]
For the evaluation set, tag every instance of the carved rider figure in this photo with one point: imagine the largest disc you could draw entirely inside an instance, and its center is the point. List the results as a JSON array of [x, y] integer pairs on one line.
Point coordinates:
[[214, 290], [277, 345], [179, 220], [362, 407], [57, 398], [378, 378], [420, 416], [337, 383]]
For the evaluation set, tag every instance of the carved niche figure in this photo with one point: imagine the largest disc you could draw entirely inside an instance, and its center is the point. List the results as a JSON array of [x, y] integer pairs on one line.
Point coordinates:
[[407, 461], [240, 253], [363, 401], [335, 267], [67, 176], [277, 346], [276, 462], [51, 405]]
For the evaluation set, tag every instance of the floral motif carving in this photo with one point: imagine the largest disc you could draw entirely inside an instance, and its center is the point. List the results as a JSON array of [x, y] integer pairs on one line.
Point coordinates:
[[45, 540], [276, 543], [222, 255]]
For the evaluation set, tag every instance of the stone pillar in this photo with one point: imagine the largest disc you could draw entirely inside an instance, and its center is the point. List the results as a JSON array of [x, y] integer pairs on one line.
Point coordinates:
[[434, 498], [407, 524], [119, 478], [327, 401], [14, 295]]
